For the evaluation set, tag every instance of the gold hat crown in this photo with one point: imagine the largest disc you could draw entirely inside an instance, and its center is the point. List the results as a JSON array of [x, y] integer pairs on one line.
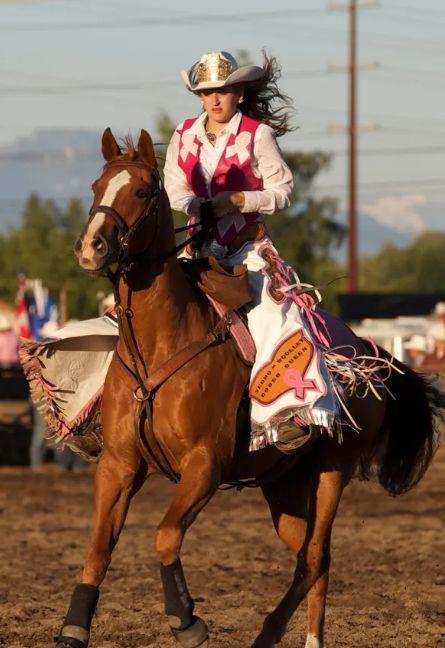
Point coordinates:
[[214, 68]]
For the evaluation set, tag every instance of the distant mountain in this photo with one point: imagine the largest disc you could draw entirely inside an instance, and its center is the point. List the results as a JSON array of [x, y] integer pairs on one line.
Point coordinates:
[[373, 235], [57, 164], [61, 164]]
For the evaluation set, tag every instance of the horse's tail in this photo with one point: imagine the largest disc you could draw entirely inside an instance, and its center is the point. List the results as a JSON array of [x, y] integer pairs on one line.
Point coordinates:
[[410, 431]]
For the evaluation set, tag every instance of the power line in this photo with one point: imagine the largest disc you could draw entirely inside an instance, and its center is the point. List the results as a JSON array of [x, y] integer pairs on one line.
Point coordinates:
[[413, 71], [385, 78], [428, 182], [394, 185], [414, 9], [158, 21], [128, 86], [410, 14], [70, 154], [384, 152]]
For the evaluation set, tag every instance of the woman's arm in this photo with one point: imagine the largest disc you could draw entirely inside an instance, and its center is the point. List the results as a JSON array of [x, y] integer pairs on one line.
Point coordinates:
[[178, 190], [277, 177]]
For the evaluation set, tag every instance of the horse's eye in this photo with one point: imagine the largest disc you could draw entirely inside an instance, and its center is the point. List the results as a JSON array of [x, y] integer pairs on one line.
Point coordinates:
[[140, 193]]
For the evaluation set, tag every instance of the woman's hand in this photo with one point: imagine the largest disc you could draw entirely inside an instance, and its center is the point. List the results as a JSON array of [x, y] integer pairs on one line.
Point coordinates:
[[227, 202], [238, 199]]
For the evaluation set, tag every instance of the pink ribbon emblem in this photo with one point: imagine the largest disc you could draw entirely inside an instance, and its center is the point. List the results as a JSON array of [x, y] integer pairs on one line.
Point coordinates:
[[293, 378], [240, 147]]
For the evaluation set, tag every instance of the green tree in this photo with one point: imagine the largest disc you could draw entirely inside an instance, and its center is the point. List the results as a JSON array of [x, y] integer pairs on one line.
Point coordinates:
[[418, 267], [165, 127], [307, 233], [243, 57]]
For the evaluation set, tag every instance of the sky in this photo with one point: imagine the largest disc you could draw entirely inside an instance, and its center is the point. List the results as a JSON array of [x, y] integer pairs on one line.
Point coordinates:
[[77, 64]]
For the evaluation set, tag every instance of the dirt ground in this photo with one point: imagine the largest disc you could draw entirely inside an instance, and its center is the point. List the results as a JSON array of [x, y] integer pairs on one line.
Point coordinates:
[[387, 585]]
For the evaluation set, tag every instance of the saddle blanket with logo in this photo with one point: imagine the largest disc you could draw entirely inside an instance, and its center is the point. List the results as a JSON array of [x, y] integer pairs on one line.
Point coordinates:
[[289, 379]]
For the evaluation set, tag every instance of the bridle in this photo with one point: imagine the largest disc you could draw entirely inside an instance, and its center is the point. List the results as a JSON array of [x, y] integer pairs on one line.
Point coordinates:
[[127, 233], [125, 259]]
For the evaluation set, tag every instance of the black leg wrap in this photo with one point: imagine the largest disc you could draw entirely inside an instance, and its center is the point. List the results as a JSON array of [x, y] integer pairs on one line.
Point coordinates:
[[75, 632], [179, 604]]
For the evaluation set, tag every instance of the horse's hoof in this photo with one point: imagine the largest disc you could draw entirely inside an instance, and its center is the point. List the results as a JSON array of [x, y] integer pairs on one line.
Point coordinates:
[[264, 643], [266, 640], [195, 635]]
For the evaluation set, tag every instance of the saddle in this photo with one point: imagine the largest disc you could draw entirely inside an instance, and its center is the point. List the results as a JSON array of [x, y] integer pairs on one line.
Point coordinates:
[[227, 289]]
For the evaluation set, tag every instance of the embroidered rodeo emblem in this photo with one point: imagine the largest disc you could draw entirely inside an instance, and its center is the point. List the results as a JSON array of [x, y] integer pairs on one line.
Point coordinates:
[[285, 371]]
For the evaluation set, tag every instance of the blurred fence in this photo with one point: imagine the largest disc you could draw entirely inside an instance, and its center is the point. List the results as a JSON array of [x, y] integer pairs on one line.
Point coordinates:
[[15, 417]]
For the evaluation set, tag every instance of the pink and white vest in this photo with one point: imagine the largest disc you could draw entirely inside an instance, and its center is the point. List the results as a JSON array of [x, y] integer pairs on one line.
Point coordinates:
[[233, 173]]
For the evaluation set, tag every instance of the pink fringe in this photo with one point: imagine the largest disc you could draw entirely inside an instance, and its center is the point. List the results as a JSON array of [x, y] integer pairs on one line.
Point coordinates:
[[46, 396]]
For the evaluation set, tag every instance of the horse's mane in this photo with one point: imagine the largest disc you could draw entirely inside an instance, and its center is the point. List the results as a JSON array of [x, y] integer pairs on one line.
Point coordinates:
[[129, 150]]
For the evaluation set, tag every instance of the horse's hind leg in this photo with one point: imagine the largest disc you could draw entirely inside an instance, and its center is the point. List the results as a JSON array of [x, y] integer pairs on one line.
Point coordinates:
[[313, 561], [289, 501], [316, 607], [115, 484], [198, 483]]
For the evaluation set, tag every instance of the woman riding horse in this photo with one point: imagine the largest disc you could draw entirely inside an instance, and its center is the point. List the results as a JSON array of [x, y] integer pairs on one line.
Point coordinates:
[[174, 355], [227, 163]]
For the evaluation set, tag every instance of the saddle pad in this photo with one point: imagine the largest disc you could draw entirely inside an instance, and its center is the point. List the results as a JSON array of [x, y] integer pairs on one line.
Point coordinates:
[[341, 337]]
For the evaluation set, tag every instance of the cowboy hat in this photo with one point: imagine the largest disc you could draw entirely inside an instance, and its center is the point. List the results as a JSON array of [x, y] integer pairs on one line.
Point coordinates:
[[218, 70]]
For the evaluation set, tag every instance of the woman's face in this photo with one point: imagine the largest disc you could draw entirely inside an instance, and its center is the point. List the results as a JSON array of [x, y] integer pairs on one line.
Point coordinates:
[[221, 104]]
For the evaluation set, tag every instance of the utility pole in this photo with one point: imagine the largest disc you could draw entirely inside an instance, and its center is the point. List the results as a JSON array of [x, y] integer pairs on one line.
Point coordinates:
[[352, 207], [352, 139]]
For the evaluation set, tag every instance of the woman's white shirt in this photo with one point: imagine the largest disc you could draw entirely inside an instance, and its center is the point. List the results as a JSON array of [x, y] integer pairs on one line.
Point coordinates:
[[267, 163]]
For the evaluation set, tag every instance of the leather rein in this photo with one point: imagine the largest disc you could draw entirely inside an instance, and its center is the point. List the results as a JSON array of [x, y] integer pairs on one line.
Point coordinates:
[[147, 384]]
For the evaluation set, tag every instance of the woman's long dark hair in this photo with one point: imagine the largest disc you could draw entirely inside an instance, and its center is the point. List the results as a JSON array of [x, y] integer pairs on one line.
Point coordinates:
[[264, 101]]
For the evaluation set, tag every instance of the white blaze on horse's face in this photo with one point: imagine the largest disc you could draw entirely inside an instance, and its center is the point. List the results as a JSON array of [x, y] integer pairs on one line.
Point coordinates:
[[116, 183]]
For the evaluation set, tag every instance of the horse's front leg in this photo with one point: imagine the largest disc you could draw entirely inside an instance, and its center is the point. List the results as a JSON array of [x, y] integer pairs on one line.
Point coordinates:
[[116, 482], [199, 481]]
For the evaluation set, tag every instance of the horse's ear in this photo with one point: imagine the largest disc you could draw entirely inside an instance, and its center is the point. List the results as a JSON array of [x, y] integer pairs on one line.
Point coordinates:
[[145, 149], [110, 148]]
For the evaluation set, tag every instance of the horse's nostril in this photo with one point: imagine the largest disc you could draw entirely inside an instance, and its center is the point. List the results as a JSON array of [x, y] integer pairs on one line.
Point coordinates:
[[100, 245]]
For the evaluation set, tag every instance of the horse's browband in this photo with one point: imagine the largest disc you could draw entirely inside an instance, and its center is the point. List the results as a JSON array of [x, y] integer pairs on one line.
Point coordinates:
[[134, 163]]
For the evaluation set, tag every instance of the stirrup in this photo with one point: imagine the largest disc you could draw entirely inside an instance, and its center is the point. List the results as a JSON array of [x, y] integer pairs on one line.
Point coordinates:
[[292, 437]]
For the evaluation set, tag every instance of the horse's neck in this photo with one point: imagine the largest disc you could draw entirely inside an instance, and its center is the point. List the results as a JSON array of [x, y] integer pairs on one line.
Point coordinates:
[[167, 314]]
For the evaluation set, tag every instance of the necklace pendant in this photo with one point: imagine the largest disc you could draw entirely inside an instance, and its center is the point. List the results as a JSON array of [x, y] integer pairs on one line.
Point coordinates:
[[211, 137]]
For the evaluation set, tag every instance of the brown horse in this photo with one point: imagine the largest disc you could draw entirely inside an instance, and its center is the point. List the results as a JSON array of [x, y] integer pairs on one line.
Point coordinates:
[[197, 417]]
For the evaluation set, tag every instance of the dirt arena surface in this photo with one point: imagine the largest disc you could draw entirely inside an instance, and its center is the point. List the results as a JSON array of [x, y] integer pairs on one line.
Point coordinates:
[[387, 585]]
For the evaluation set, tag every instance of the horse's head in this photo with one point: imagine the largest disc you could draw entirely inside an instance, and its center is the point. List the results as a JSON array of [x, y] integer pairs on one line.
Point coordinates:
[[123, 217]]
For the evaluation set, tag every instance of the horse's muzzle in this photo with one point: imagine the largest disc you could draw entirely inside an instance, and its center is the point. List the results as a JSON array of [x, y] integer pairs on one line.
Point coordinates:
[[96, 255]]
